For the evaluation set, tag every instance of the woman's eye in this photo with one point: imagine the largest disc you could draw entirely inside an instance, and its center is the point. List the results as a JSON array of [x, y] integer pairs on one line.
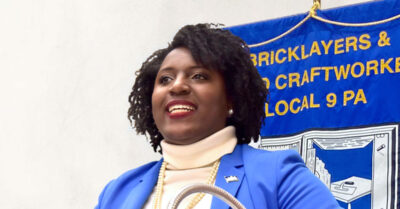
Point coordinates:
[[199, 77], [165, 79]]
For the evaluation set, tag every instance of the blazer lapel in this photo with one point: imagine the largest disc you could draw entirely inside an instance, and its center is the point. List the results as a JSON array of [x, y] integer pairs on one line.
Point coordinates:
[[141, 192], [230, 176]]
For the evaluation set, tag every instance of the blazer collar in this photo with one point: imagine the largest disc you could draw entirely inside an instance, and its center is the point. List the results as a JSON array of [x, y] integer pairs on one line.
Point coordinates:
[[141, 192], [231, 165]]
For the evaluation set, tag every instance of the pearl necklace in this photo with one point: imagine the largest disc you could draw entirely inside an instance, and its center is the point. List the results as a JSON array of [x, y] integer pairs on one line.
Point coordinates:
[[196, 199]]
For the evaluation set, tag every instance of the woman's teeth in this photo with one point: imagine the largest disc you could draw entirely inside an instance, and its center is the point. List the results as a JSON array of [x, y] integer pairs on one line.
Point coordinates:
[[180, 108]]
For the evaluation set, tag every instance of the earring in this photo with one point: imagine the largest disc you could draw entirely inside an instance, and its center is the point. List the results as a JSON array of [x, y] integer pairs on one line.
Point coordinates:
[[230, 112]]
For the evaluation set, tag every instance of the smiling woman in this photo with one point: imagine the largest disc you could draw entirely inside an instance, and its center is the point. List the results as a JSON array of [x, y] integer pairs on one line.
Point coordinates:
[[189, 102], [201, 101], [214, 52]]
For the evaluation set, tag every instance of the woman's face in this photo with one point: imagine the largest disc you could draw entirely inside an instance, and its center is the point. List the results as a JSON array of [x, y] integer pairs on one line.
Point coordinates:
[[189, 102]]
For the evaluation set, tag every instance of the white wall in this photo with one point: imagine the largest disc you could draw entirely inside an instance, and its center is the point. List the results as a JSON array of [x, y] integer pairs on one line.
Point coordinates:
[[66, 70]]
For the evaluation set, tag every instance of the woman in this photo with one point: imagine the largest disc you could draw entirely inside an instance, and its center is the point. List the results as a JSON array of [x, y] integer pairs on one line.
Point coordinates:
[[201, 101]]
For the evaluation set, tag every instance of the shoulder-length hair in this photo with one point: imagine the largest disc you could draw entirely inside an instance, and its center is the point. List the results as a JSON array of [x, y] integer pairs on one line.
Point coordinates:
[[213, 48]]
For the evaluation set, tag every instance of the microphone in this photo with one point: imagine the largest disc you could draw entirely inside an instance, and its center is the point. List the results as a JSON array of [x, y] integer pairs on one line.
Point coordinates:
[[205, 188]]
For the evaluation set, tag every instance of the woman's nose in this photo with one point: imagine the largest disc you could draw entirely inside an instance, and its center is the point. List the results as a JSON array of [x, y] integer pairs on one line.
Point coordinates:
[[180, 86]]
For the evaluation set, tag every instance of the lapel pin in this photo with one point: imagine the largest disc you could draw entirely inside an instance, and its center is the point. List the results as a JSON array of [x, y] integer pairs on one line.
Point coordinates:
[[230, 179]]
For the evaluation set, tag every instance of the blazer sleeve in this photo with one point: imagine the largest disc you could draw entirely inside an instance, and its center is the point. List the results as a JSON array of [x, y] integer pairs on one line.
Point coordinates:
[[99, 203], [298, 188], [130, 189]]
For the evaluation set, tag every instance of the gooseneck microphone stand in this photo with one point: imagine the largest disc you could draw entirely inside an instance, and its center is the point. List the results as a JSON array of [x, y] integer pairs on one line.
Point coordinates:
[[205, 188]]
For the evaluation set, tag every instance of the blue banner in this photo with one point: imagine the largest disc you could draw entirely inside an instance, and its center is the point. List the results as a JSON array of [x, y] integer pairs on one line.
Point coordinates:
[[335, 98]]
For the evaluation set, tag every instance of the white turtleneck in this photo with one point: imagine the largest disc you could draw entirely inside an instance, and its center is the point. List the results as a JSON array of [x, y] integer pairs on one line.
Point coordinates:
[[189, 164]]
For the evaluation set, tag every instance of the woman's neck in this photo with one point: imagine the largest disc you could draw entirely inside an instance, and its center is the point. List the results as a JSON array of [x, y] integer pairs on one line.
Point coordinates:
[[200, 153]]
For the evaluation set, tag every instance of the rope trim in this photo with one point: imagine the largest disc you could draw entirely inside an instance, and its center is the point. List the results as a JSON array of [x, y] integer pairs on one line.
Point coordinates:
[[283, 34], [356, 24], [313, 13]]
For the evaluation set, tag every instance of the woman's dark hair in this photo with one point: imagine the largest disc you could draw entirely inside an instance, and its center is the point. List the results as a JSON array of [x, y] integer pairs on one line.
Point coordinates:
[[213, 48]]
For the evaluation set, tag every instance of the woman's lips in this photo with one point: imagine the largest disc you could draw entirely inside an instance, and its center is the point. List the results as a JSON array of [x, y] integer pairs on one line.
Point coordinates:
[[177, 115], [180, 108]]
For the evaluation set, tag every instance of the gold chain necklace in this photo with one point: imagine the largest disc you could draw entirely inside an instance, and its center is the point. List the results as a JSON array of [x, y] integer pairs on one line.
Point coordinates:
[[196, 199]]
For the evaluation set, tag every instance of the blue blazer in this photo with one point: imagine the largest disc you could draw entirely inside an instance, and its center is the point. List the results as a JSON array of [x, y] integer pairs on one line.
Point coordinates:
[[267, 180]]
